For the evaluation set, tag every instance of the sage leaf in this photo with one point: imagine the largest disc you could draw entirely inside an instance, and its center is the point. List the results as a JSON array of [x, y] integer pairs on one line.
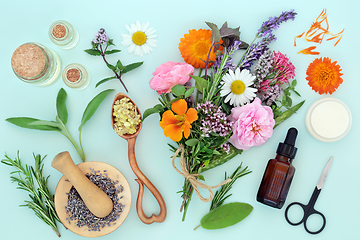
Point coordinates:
[[93, 106], [104, 80], [25, 122], [149, 111], [131, 66], [112, 51], [112, 67], [119, 65], [61, 106], [46, 123], [226, 215], [93, 52], [285, 115]]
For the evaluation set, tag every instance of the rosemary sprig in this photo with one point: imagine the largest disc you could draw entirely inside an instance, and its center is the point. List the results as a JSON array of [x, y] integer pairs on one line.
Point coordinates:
[[42, 201], [220, 195]]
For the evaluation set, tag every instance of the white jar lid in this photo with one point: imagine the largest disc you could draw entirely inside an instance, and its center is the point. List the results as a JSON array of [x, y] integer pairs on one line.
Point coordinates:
[[328, 119]]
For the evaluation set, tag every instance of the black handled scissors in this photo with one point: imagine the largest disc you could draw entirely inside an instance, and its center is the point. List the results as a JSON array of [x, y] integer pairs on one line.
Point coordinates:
[[309, 208]]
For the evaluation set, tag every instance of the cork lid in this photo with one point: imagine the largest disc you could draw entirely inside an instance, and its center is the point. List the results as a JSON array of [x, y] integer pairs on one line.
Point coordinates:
[[28, 60]]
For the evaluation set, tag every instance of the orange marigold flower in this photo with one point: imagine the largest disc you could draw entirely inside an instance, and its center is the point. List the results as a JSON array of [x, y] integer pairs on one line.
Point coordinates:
[[195, 46], [175, 125], [323, 75]]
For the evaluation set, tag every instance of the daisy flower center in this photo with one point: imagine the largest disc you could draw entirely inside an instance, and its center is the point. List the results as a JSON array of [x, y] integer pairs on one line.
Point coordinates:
[[237, 87], [201, 48], [139, 38]]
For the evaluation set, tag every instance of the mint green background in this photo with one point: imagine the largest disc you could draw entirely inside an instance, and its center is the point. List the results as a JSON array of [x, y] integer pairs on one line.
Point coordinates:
[[24, 21]]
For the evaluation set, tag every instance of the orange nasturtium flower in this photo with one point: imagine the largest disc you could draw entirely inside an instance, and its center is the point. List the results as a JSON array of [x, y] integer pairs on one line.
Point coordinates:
[[175, 125], [195, 46], [324, 76]]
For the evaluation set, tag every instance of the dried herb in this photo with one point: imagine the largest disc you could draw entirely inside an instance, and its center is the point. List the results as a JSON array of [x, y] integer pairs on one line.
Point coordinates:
[[100, 46], [42, 201], [61, 119]]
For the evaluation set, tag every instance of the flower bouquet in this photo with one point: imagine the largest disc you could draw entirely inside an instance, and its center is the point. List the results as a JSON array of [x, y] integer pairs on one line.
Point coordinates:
[[231, 108]]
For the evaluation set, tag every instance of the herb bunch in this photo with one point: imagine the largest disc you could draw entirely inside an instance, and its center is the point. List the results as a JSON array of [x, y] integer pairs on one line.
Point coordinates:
[[32, 180], [100, 46], [61, 119]]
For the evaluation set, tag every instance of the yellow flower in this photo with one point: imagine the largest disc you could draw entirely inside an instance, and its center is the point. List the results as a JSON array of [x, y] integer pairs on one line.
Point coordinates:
[[175, 125]]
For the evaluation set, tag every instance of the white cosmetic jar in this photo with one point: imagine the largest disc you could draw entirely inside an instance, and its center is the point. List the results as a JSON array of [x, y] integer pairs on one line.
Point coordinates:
[[328, 119]]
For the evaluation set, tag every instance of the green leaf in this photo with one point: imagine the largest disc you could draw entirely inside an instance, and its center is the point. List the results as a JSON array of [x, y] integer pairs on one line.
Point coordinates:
[[285, 115], [93, 106], [200, 83], [112, 67], [93, 52], [201, 177], [61, 106], [131, 66], [149, 111], [104, 80], [215, 36], [178, 90], [46, 123], [226, 215], [189, 92], [25, 122], [112, 51], [119, 65], [192, 142]]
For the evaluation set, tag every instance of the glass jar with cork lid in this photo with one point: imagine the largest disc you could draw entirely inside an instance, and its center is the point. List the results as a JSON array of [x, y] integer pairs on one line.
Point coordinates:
[[75, 75], [36, 64], [63, 34]]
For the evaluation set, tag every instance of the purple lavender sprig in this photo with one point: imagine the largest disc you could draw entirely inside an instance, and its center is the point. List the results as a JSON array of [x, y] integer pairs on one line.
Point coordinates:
[[274, 22]]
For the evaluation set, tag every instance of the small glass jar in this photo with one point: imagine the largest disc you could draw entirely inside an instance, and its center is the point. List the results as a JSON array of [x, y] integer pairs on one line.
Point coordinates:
[[63, 34], [76, 76], [36, 64]]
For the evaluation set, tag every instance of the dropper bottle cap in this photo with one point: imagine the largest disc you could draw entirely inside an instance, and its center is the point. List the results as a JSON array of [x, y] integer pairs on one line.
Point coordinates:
[[288, 149]]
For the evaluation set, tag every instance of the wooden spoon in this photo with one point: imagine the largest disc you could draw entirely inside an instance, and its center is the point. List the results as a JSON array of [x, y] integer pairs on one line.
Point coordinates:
[[142, 179], [96, 200]]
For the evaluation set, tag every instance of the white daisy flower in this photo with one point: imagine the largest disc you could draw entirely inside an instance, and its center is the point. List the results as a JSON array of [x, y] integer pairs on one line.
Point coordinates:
[[140, 39], [236, 87]]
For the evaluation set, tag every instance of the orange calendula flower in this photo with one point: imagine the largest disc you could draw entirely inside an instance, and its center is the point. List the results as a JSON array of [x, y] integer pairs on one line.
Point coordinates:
[[175, 125], [324, 76], [195, 46]]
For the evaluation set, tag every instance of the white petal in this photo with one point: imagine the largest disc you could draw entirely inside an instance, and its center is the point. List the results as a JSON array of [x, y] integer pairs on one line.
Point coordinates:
[[131, 48], [144, 26]]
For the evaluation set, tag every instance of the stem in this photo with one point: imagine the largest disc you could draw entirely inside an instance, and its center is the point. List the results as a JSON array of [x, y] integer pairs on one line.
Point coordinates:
[[197, 227], [207, 60], [81, 147], [118, 76], [67, 134]]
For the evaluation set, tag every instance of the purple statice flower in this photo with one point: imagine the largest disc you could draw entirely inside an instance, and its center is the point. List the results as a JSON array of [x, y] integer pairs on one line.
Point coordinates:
[[101, 37], [213, 120], [274, 22]]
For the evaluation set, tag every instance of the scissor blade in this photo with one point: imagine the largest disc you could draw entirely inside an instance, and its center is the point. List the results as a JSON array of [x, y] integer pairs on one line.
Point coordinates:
[[324, 174]]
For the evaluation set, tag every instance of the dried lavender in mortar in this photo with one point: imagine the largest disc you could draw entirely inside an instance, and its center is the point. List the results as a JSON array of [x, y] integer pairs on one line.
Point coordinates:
[[80, 215]]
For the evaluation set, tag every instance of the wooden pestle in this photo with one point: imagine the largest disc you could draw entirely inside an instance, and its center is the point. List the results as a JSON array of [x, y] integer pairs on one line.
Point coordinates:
[[96, 200]]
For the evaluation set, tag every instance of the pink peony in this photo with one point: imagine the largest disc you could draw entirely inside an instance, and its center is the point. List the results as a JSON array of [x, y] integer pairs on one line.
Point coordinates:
[[253, 125], [169, 74]]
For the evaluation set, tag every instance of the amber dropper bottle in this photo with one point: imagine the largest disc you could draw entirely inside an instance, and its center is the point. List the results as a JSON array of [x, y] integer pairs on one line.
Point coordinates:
[[279, 173]]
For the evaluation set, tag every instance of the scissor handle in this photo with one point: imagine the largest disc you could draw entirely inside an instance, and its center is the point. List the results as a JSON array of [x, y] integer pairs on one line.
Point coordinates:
[[308, 211]]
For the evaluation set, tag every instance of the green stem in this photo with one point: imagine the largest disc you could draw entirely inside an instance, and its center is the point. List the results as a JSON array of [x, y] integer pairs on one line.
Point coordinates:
[[67, 134]]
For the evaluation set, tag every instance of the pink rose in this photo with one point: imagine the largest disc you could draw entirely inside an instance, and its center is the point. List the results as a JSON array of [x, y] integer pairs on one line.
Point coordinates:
[[169, 74], [253, 125]]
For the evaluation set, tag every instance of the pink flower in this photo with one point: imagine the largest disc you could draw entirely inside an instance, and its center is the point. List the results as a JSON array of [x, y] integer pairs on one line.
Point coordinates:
[[253, 125], [169, 74], [285, 68]]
